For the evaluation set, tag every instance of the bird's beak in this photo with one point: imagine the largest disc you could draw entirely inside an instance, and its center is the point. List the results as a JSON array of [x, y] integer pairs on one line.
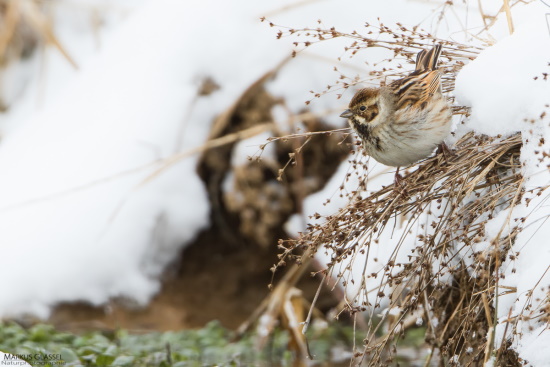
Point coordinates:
[[346, 114]]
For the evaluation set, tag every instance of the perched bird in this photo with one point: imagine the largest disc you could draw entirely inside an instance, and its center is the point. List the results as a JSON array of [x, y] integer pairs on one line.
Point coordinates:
[[403, 122]]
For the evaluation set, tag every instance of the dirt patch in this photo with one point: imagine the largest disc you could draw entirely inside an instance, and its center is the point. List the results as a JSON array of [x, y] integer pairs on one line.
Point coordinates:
[[213, 280]]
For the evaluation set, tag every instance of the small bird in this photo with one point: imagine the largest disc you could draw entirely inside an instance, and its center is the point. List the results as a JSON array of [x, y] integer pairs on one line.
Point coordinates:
[[403, 122]]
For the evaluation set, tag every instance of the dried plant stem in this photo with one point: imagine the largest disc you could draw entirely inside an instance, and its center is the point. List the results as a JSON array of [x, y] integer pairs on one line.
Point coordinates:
[[509, 16], [30, 11], [471, 171], [10, 19]]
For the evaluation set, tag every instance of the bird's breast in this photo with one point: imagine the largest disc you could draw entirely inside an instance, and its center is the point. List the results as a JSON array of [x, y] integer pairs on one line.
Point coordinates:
[[365, 132]]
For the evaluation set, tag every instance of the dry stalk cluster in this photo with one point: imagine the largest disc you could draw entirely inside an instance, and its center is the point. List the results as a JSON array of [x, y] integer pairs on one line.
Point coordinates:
[[459, 193], [447, 282], [26, 24], [404, 43], [22, 24]]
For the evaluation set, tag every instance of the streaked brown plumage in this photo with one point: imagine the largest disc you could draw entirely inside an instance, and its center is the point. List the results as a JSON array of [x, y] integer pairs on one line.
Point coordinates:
[[403, 122]]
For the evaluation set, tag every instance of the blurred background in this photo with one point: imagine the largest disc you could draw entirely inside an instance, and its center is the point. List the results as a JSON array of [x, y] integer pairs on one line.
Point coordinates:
[[119, 206], [115, 209]]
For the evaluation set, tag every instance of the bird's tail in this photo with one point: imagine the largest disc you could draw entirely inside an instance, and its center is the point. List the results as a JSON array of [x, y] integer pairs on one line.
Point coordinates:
[[427, 60]]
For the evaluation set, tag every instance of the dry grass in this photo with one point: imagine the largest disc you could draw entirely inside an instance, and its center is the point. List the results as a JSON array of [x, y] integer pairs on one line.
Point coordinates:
[[444, 206], [26, 26], [403, 42], [461, 192], [26, 22]]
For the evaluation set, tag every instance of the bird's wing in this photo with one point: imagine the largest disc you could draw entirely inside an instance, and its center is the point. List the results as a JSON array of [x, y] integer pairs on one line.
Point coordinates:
[[416, 90]]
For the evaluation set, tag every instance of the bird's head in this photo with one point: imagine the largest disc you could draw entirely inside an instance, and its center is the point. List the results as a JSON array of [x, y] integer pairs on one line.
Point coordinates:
[[364, 107]]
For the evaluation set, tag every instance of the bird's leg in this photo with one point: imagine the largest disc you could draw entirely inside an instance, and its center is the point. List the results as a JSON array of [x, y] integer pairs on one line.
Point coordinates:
[[398, 179], [446, 151], [399, 183]]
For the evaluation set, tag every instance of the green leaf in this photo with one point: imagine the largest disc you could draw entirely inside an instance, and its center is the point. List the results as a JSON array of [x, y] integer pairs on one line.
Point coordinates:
[[104, 360], [41, 332], [123, 361], [68, 355]]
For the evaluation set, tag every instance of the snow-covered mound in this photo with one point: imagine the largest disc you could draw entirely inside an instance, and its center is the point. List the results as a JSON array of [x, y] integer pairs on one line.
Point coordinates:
[[75, 222], [79, 218], [84, 212], [508, 89]]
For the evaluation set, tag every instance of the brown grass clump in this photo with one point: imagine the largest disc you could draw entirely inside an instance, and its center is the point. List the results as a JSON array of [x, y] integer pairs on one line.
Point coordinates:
[[18, 37], [446, 284], [404, 44], [257, 205], [462, 192], [26, 24]]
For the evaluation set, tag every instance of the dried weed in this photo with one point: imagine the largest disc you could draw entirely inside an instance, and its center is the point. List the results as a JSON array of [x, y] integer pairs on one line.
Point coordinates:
[[447, 282]]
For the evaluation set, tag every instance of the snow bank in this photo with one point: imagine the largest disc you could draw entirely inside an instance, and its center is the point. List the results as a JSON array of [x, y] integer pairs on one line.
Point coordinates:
[[508, 92], [74, 220], [78, 218], [504, 86]]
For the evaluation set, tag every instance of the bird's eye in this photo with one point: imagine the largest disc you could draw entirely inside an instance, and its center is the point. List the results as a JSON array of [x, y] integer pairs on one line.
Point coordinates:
[[363, 108]]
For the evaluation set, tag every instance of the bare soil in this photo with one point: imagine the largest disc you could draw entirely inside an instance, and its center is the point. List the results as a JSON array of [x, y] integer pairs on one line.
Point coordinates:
[[213, 280]]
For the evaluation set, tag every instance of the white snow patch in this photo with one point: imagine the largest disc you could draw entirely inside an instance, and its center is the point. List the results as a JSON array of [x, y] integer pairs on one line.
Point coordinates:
[[80, 216], [499, 84], [507, 91], [77, 219]]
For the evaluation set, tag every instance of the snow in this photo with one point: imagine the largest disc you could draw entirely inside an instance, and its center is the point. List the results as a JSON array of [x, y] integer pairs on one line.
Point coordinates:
[[76, 219], [80, 144], [85, 214], [490, 362], [513, 97], [509, 94]]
